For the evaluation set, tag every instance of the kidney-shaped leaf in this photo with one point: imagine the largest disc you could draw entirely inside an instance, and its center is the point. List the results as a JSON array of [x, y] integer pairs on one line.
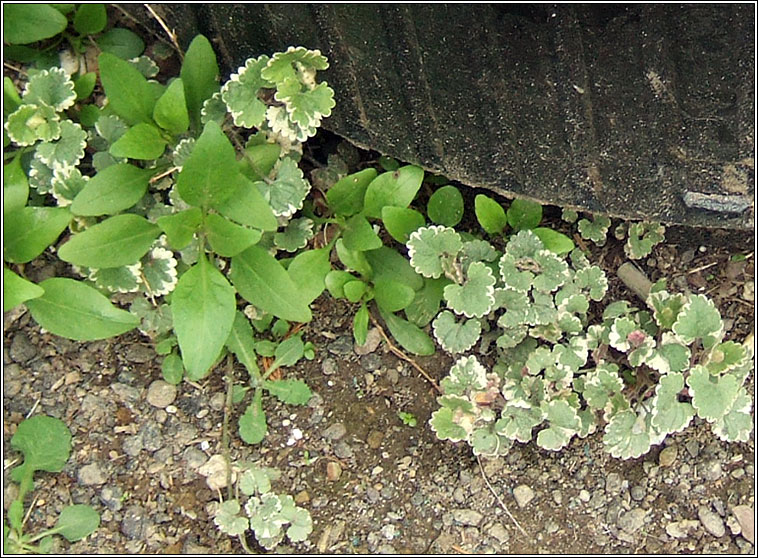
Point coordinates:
[[46, 445], [77, 521]]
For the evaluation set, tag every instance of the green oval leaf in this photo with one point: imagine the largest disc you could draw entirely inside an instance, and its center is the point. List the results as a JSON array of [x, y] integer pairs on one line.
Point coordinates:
[[401, 222], [203, 308], [524, 214], [180, 227], [252, 424], [28, 231], [121, 43], [142, 141], [127, 89], [15, 186], [308, 270], [346, 196], [247, 206], [392, 295], [29, 23], [119, 240], [90, 19], [172, 369], [17, 290], [411, 337], [170, 112], [228, 239], [556, 242], [199, 76], [490, 214], [77, 521], [262, 281], [77, 311], [396, 188], [359, 235], [445, 206], [210, 175], [290, 391]]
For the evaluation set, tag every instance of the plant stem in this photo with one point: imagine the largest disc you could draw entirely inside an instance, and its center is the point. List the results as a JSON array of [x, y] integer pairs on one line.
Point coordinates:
[[229, 377]]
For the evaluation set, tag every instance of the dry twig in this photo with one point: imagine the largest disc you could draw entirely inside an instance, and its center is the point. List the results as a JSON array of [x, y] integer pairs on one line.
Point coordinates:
[[499, 500]]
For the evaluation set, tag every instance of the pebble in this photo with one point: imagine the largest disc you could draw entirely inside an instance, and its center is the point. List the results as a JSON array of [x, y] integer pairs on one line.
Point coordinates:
[[125, 393], [637, 492], [373, 339], [343, 345], [375, 439], [746, 518], [333, 471], [681, 529], [613, 483], [132, 445], [712, 470], [632, 520], [215, 472], [161, 394], [334, 432], [692, 447], [498, 531], [557, 497], [468, 517], [523, 495], [139, 353], [584, 495], [21, 349], [112, 497], [711, 521], [329, 366], [343, 450], [135, 523], [667, 457], [91, 475], [371, 363], [152, 438]]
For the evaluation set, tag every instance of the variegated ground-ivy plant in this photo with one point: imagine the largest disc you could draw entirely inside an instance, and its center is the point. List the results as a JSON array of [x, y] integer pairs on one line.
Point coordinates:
[[640, 375], [177, 199]]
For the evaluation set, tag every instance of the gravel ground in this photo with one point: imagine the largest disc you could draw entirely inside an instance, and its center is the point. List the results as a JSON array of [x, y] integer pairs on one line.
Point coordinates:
[[371, 483]]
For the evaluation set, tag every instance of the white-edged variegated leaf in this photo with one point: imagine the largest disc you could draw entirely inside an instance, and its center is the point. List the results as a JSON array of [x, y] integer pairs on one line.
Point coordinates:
[[699, 319], [432, 250], [737, 424], [476, 297], [642, 238], [67, 182], [453, 336], [52, 87], [214, 109], [553, 271], [670, 415], [67, 150], [289, 189], [600, 384], [513, 276], [159, 270], [240, 93], [182, 151], [465, 375], [595, 230], [30, 123], [712, 396], [629, 435], [295, 236], [124, 279], [594, 280], [666, 307], [563, 424], [517, 423]]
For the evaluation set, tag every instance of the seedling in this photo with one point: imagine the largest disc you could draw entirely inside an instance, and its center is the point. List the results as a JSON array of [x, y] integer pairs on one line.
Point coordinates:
[[46, 445]]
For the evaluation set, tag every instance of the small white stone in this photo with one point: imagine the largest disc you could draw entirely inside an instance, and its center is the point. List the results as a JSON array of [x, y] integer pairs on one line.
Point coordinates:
[[523, 495]]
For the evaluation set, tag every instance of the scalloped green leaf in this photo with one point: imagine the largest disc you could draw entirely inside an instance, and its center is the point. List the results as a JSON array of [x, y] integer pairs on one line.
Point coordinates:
[[305, 106], [453, 336], [445, 206], [475, 297], [444, 426], [46, 444], [27, 232], [77, 311], [563, 422], [517, 422], [397, 188], [203, 309], [595, 230], [737, 424], [229, 520], [52, 88], [627, 435], [642, 238], [119, 240], [433, 249], [725, 357], [287, 65], [669, 414], [592, 278], [699, 319], [712, 396]]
